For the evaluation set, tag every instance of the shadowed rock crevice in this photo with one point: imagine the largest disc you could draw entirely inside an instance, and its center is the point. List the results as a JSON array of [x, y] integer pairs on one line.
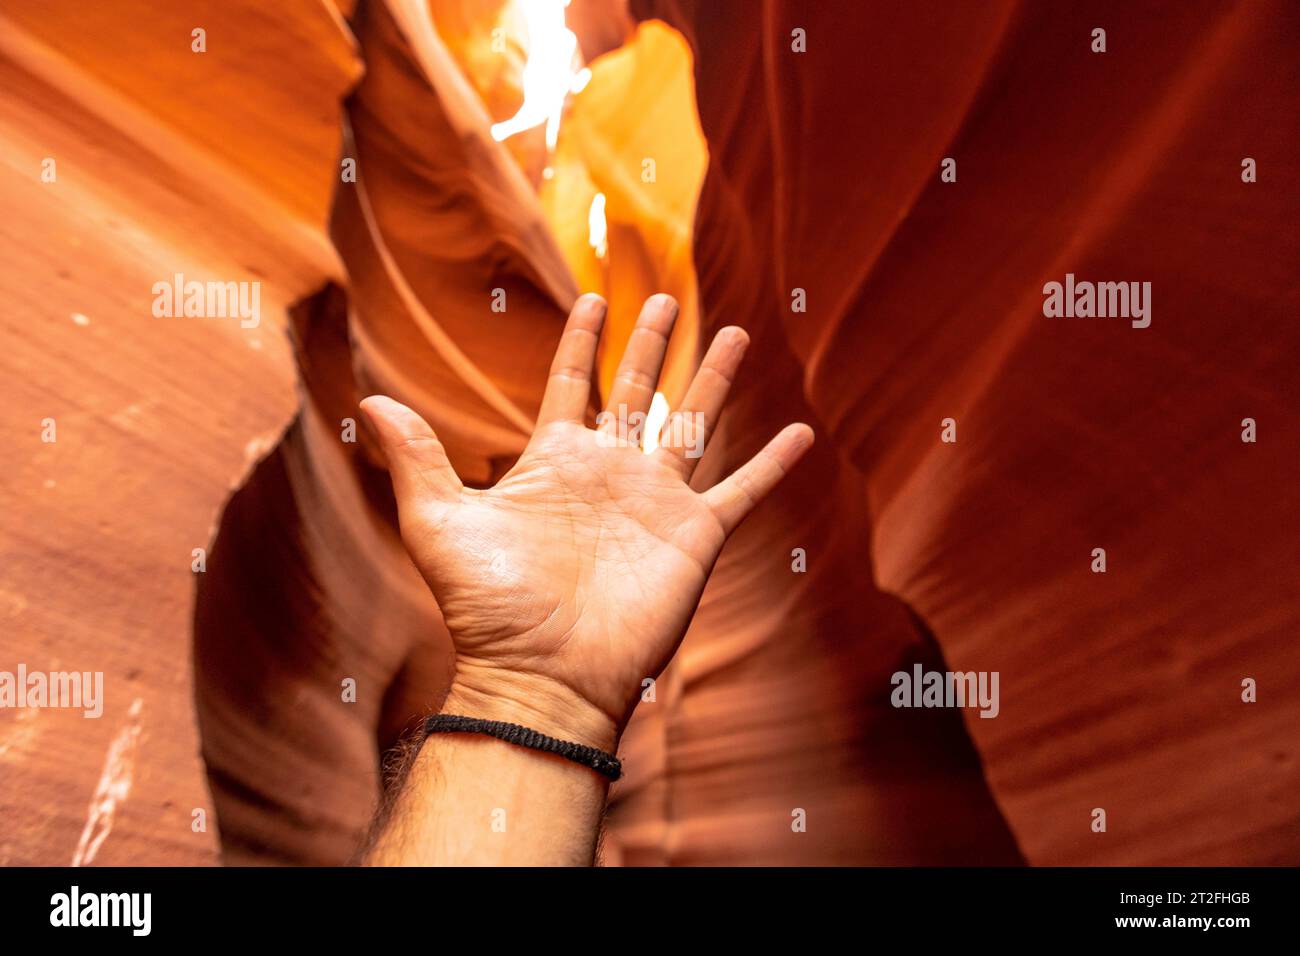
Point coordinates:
[[307, 588]]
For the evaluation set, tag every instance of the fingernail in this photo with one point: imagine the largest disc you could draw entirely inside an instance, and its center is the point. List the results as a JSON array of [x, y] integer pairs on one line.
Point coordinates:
[[668, 303]]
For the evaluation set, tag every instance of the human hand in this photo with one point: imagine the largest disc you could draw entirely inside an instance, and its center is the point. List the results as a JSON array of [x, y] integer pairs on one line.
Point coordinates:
[[574, 578]]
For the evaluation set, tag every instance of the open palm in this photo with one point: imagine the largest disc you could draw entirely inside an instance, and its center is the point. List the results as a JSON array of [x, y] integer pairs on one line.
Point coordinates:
[[574, 577]]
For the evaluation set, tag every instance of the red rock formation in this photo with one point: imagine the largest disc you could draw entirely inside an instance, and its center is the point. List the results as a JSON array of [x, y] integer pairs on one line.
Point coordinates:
[[1120, 691], [216, 165]]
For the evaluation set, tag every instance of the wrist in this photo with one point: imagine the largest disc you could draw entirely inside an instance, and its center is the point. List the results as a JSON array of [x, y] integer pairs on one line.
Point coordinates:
[[538, 703]]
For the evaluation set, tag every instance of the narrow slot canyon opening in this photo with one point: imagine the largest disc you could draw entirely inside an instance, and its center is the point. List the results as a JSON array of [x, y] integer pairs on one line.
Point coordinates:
[[316, 644]]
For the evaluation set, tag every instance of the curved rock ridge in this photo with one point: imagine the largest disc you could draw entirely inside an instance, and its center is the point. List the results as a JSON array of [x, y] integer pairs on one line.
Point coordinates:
[[1121, 691]]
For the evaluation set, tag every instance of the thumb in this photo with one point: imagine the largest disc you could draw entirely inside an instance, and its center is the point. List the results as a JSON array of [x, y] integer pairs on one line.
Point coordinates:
[[417, 462]]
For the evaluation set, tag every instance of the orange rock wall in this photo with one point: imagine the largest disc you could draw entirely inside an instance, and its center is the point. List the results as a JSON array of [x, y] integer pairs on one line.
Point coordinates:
[[1119, 691]]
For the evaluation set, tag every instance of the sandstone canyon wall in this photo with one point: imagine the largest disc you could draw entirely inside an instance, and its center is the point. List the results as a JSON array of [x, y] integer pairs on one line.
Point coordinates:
[[778, 170]]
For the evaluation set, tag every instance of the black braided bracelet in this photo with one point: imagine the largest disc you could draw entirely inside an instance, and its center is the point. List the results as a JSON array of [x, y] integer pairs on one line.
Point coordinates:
[[598, 760]]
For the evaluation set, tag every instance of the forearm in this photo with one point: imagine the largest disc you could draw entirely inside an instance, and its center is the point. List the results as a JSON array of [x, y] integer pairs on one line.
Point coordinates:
[[472, 800]]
